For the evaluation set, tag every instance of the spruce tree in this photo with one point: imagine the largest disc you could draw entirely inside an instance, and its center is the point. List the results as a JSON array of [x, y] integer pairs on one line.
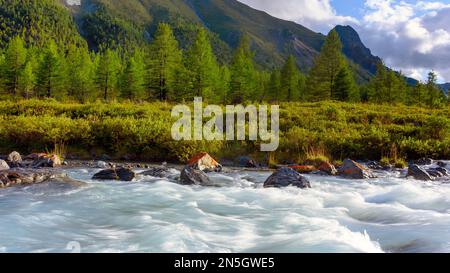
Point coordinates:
[[14, 63], [345, 86], [165, 57], [243, 73], [327, 65]]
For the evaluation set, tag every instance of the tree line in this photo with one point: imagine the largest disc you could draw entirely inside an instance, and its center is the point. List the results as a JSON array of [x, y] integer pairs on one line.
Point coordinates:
[[163, 71]]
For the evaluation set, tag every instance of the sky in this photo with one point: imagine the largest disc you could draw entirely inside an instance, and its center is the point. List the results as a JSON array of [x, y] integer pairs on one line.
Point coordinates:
[[412, 36]]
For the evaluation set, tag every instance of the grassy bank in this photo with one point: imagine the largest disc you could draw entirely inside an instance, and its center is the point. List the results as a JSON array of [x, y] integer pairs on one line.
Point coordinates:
[[308, 131]]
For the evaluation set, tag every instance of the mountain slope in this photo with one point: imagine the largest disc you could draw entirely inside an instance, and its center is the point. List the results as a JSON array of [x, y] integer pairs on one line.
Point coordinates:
[[445, 87], [39, 21], [128, 22]]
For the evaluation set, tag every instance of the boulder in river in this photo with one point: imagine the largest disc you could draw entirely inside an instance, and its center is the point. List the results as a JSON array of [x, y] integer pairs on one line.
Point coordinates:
[[122, 174], [442, 164], [424, 161], [304, 168], [328, 168], [246, 162], [159, 172], [285, 177], [204, 162], [3, 165], [191, 176], [438, 172], [47, 161], [14, 160], [419, 173], [353, 170], [25, 177]]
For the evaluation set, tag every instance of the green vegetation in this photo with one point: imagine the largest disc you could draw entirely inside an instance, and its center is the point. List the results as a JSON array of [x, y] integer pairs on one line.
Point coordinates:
[[309, 131]]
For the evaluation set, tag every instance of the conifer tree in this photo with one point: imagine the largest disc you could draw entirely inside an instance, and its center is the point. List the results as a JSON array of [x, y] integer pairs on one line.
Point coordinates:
[[49, 74], [345, 86], [327, 65], [14, 63], [108, 68], [80, 71], [434, 95], [202, 65], [274, 86], [290, 80], [133, 78], [164, 60], [243, 73]]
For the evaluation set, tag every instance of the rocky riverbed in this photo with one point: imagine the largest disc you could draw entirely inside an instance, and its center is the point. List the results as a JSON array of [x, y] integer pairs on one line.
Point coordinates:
[[212, 208]]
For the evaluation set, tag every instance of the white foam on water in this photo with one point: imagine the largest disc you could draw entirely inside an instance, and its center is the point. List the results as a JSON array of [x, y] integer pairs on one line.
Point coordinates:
[[389, 214]]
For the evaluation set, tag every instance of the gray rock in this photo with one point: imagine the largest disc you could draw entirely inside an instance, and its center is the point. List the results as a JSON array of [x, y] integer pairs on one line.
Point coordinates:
[[161, 172], [25, 177], [14, 159], [102, 164], [424, 161], [122, 174], [3, 165], [191, 176], [419, 173], [285, 177], [442, 164], [354, 170], [246, 162]]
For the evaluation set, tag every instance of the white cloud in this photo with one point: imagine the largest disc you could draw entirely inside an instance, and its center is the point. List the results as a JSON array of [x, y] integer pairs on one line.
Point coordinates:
[[412, 37], [318, 15]]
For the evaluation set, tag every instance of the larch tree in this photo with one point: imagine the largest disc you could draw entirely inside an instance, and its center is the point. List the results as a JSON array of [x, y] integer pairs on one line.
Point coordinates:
[[243, 73], [327, 65], [13, 65], [164, 59]]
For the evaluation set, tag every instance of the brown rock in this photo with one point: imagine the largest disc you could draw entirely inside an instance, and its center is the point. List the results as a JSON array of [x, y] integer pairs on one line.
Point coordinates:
[[328, 168], [354, 170], [304, 168], [204, 162]]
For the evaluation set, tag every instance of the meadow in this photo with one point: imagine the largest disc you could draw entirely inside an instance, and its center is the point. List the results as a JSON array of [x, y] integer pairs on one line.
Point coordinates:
[[309, 132]]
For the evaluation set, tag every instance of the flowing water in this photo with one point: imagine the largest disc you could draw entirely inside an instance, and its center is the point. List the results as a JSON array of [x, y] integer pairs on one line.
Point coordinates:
[[388, 214]]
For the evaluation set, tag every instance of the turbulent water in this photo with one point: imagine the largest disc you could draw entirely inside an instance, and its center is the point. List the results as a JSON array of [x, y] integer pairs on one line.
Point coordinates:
[[389, 214]]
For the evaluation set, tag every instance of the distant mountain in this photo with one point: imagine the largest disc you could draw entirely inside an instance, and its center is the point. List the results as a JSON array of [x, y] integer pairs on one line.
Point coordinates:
[[445, 87], [130, 22]]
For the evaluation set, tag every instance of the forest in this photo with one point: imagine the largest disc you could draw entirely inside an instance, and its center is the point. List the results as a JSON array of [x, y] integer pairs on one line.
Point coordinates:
[[163, 71]]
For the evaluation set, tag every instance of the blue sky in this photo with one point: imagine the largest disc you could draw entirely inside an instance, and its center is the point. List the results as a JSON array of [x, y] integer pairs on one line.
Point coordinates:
[[412, 36]]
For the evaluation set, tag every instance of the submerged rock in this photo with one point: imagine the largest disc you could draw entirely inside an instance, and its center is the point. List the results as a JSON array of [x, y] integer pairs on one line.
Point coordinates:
[[419, 173], [246, 162], [3, 165], [122, 174], [204, 162], [442, 164], [353, 170], [285, 177], [24, 177], [191, 176], [160, 172], [424, 161], [438, 172], [328, 168]]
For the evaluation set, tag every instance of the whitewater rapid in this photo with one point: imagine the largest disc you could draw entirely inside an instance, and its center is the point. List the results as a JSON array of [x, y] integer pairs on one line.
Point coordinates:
[[388, 214]]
